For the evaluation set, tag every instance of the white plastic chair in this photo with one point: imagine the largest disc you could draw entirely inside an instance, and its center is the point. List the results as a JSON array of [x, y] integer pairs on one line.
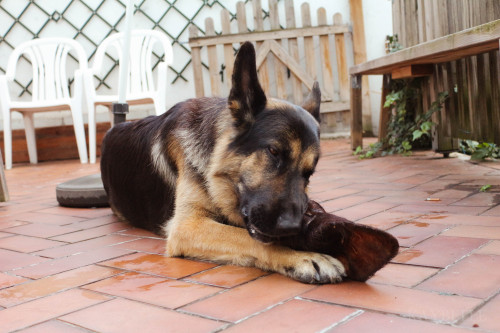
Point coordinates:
[[141, 86], [50, 90]]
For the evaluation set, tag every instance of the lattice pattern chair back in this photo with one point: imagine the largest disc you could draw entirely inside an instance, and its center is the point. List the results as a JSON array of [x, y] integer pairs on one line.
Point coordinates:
[[142, 88], [50, 90]]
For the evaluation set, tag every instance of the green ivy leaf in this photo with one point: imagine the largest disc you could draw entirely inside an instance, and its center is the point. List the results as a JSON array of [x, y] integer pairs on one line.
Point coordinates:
[[417, 134], [484, 188], [426, 126]]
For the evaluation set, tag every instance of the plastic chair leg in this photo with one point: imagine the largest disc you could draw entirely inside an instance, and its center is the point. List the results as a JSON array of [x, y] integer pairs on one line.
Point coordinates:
[[76, 112], [7, 142], [29, 129], [92, 133]]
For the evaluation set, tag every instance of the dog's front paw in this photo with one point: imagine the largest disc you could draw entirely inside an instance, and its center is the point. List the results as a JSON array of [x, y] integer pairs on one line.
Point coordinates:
[[313, 267]]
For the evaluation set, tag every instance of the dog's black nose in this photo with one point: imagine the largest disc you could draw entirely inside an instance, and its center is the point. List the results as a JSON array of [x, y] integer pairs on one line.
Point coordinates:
[[288, 224]]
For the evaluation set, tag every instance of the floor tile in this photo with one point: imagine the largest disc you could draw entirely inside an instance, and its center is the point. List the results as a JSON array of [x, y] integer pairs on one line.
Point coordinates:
[[78, 212], [60, 265], [492, 247], [148, 245], [439, 251], [411, 233], [92, 233], [124, 316], [41, 230], [396, 300], [294, 316], [495, 211], [370, 322], [360, 211], [227, 276], [140, 233], [35, 289], [153, 290], [10, 224], [403, 275], [175, 268], [249, 298], [478, 199], [54, 326], [46, 308], [333, 194], [27, 244], [12, 260], [486, 318], [386, 220], [451, 219], [84, 246], [345, 202], [440, 209], [478, 275], [7, 280], [47, 218], [474, 231]]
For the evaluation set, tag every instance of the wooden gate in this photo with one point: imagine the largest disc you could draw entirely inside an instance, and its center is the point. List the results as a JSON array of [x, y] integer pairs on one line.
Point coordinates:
[[289, 59]]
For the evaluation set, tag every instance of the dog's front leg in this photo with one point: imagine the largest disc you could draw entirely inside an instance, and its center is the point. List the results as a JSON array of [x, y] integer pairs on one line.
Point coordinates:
[[198, 236]]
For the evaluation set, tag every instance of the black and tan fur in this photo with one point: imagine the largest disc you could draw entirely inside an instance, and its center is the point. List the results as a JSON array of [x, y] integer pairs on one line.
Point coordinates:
[[223, 178]]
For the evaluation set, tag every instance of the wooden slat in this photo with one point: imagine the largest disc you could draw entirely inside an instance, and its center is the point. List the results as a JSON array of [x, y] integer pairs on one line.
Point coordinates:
[[308, 41], [410, 71], [465, 43], [356, 112], [241, 17], [385, 113], [266, 35], [324, 45], [422, 37], [294, 51], [228, 48], [341, 53], [213, 65], [495, 92], [258, 27], [196, 64], [279, 69]]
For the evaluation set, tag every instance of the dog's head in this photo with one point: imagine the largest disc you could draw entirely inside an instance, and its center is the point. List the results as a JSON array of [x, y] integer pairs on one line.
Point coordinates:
[[278, 143]]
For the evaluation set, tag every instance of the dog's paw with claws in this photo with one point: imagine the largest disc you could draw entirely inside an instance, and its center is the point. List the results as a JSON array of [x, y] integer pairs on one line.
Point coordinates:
[[313, 267]]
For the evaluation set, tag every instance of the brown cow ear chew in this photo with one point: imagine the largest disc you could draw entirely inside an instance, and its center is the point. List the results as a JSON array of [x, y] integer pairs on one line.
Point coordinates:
[[362, 249]]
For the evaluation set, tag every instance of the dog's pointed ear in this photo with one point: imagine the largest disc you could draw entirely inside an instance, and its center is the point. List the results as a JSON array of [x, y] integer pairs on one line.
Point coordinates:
[[246, 98], [313, 101]]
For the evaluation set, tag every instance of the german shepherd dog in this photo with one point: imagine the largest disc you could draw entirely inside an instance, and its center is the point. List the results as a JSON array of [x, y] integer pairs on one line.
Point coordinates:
[[224, 179]]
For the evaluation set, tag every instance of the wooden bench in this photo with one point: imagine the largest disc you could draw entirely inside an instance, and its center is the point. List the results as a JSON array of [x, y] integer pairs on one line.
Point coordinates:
[[420, 60]]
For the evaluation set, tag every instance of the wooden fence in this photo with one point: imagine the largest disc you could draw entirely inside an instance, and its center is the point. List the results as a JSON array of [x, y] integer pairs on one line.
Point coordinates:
[[473, 83], [289, 59]]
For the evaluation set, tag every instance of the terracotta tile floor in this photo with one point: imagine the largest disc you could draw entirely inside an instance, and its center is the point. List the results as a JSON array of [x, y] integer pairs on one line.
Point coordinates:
[[84, 270]]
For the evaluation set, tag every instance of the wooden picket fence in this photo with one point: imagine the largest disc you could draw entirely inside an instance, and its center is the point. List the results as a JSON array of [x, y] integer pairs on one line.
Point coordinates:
[[289, 59]]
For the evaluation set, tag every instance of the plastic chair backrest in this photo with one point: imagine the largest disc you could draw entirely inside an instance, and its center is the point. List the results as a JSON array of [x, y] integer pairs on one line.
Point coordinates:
[[140, 71], [48, 58]]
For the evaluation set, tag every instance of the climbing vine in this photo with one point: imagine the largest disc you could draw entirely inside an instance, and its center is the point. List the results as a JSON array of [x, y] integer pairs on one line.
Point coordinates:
[[409, 127]]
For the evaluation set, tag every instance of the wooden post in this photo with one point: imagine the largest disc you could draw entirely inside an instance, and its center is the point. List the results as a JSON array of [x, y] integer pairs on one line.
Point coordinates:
[[259, 26], [356, 112], [359, 45], [385, 113]]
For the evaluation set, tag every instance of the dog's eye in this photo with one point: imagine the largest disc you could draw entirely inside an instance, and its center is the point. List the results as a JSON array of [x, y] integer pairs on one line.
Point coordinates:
[[273, 151]]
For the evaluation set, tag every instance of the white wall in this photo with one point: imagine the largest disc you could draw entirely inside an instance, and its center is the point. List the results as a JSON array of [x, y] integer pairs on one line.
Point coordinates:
[[377, 17]]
